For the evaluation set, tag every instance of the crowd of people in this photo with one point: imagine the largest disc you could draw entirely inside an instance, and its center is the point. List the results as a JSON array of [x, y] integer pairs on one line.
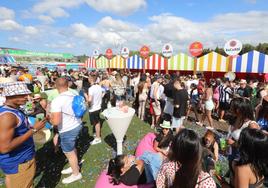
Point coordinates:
[[165, 101]]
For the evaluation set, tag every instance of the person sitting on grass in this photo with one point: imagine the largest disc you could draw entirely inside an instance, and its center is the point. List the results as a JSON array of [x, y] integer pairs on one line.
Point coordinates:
[[183, 169], [210, 150], [129, 170], [163, 139]]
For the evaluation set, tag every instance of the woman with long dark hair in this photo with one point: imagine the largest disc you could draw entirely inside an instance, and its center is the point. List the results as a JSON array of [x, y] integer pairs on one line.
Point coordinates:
[[184, 168], [127, 170], [252, 165]]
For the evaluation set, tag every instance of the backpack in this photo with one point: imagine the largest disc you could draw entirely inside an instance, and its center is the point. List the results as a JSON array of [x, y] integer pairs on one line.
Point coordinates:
[[79, 106]]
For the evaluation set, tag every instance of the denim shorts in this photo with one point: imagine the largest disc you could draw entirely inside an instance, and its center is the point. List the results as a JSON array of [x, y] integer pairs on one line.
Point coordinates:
[[68, 139]]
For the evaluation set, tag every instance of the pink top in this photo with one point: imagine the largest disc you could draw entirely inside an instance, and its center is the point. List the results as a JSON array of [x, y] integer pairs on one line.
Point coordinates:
[[216, 94], [166, 177]]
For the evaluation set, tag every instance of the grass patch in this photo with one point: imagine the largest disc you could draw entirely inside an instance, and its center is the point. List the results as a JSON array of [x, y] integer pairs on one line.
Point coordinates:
[[49, 164]]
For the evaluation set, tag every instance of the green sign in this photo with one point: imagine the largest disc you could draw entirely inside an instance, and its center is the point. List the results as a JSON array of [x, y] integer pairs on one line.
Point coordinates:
[[30, 53]]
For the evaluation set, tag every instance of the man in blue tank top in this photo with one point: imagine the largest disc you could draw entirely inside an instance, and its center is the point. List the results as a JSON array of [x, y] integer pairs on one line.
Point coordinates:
[[16, 143]]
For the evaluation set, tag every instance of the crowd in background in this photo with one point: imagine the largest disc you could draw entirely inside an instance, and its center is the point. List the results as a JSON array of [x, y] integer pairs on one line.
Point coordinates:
[[166, 102]]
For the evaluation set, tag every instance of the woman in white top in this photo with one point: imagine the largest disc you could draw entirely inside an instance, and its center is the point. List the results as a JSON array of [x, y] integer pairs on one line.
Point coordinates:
[[209, 106], [143, 95]]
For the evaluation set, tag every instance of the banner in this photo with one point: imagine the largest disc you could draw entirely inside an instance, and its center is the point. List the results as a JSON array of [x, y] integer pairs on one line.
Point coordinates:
[[91, 63], [251, 62], [117, 62], [102, 63], [135, 62], [212, 62], [181, 61], [155, 62]]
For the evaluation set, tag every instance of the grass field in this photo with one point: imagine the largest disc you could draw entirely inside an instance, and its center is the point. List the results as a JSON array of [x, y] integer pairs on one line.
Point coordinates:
[[49, 164]]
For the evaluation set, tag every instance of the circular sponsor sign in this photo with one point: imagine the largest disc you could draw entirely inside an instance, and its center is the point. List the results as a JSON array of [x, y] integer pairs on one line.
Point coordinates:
[[144, 51], [196, 49], [109, 53], [233, 47], [125, 52], [167, 50], [96, 54]]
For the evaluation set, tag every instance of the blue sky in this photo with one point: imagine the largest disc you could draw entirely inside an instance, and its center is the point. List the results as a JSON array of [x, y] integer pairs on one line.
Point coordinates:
[[80, 26]]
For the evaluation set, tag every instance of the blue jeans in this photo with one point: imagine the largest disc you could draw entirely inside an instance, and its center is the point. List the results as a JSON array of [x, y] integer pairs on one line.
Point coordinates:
[[68, 139], [152, 164]]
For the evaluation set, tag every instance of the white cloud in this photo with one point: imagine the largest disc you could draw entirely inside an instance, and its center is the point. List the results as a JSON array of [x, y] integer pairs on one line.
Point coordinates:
[[249, 27], [9, 25], [55, 9], [121, 7], [62, 45], [6, 13], [30, 30], [46, 19]]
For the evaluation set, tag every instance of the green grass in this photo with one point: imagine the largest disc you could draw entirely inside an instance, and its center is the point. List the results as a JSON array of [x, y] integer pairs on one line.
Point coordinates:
[[49, 164]]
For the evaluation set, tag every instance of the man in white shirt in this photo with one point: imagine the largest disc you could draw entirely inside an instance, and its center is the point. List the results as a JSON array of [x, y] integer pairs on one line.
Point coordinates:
[[95, 100], [68, 125]]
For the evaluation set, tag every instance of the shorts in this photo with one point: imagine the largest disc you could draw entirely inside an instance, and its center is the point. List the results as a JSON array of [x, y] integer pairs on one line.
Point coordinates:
[[209, 105], [25, 175], [224, 106], [68, 139], [177, 122], [94, 117], [156, 108]]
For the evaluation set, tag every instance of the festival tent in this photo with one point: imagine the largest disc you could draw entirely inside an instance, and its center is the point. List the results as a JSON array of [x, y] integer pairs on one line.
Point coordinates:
[[156, 62], [90, 63], [251, 62], [117, 62], [212, 62], [102, 63], [134, 62], [182, 62]]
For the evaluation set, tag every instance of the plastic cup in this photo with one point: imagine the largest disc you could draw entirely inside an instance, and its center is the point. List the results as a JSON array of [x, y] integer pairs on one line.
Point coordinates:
[[223, 144], [218, 168]]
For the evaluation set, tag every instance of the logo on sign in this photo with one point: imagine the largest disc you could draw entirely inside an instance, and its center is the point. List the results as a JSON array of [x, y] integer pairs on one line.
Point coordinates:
[[167, 50], [233, 47], [96, 54], [144, 51], [125, 52], [196, 49], [109, 53]]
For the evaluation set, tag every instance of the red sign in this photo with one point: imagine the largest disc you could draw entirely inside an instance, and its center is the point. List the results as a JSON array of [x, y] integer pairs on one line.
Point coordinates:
[[144, 51], [196, 49], [109, 53]]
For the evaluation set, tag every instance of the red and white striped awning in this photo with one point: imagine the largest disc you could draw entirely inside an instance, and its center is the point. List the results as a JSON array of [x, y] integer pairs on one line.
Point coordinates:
[[156, 62], [91, 63]]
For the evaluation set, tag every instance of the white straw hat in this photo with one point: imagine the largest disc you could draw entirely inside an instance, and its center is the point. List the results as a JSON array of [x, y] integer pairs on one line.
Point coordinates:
[[15, 88]]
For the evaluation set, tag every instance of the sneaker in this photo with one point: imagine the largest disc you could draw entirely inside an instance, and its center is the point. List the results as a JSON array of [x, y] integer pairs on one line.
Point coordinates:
[[96, 141], [152, 126], [67, 171], [199, 123], [222, 120], [72, 178]]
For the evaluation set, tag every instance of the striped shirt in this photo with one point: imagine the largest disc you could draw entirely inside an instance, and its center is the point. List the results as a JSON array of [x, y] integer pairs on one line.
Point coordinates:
[[225, 94]]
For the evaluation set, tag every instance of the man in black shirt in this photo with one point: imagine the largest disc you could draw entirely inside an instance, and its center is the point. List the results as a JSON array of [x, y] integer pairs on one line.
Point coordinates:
[[244, 90]]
